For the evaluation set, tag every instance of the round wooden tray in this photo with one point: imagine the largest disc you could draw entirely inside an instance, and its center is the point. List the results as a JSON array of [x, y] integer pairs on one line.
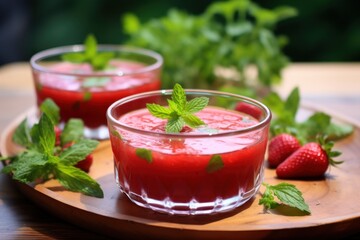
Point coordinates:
[[334, 202]]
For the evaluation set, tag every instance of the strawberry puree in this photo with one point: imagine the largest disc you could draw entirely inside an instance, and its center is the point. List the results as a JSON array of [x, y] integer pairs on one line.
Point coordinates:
[[178, 171]]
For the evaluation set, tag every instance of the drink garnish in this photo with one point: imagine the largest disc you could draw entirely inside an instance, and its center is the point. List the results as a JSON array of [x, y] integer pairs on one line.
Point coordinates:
[[287, 193], [98, 60], [180, 112], [42, 159]]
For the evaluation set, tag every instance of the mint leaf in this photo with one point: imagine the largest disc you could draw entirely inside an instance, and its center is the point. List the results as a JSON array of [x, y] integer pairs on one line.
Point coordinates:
[[73, 131], [159, 111], [215, 164], [178, 96], [43, 135], [87, 96], [192, 120], [338, 131], [78, 151], [196, 104], [74, 57], [77, 180], [145, 154], [180, 111], [174, 125], [30, 166], [90, 46], [49, 107], [287, 194], [42, 160], [22, 135], [98, 60]]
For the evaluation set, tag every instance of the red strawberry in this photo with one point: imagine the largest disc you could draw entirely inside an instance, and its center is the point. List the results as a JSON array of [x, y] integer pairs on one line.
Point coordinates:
[[280, 147], [85, 164], [311, 160], [248, 109]]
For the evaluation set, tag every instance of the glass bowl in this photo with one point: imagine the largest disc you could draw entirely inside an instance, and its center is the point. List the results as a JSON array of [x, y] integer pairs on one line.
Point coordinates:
[[81, 92], [211, 169]]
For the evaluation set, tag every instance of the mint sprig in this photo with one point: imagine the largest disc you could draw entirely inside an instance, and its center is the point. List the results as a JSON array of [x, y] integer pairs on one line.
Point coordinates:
[[180, 112], [285, 120], [287, 194], [98, 60], [42, 159]]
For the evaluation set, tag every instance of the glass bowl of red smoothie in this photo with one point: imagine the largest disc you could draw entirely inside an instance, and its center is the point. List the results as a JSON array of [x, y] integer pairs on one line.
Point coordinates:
[[210, 169], [85, 93]]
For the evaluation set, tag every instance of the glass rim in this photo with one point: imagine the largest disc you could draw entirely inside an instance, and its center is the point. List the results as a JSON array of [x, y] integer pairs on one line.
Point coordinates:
[[103, 47], [261, 124]]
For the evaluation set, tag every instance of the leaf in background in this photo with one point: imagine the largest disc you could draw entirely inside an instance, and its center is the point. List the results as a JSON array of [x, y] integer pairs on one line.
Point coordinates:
[[74, 57], [21, 135], [49, 107], [73, 131], [292, 102], [338, 131], [90, 46]]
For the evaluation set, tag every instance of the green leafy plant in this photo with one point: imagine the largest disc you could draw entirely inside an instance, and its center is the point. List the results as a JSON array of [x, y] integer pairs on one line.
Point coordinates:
[[42, 159], [98, 60], [233, 35], [285, 120], [180, 111]]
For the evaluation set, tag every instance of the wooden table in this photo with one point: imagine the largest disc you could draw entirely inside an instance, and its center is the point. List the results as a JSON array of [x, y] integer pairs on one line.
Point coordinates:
[[332, 87]]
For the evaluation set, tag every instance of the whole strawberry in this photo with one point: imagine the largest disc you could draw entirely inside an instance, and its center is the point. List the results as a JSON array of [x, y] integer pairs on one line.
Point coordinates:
[[310, 161], [280, 147]]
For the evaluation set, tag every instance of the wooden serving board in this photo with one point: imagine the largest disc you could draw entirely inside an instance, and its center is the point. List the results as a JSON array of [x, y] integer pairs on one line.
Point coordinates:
[[334, 202]]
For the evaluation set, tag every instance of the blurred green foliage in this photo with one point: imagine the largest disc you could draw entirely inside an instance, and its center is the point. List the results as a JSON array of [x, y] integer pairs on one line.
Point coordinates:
[[324, 30], [233, 34]]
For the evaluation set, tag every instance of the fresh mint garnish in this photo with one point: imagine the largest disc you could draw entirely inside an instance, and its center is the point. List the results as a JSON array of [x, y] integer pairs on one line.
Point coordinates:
[[287, 194], [144, 154], [215, 164], [43, 159], [98, 60], [180, 111]]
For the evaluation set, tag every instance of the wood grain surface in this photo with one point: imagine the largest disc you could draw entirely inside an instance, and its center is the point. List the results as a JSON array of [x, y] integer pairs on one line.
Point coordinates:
[[332, 200]]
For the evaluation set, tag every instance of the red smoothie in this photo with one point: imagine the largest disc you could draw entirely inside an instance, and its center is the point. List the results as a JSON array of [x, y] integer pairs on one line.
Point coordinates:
[[87, 97], [204, 166]]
